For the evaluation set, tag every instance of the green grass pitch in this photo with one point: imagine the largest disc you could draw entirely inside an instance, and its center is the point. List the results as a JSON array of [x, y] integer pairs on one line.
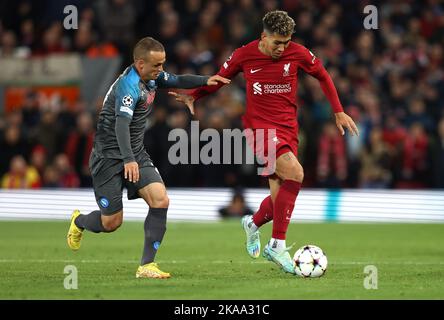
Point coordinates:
[[208, 261]]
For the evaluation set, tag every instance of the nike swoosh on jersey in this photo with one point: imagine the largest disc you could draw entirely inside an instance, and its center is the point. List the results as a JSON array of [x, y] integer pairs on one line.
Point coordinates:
[[254, 71]]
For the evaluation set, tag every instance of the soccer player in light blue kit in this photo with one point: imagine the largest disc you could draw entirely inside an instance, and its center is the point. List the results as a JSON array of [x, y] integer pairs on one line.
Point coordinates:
[[119, 159]]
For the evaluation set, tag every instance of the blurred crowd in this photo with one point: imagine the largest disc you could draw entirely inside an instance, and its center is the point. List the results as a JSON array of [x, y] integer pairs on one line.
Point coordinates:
[[390, 80]]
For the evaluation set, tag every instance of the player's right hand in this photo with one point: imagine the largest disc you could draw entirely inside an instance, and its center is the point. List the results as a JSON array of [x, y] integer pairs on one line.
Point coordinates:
[[216, 79], [132, 171]]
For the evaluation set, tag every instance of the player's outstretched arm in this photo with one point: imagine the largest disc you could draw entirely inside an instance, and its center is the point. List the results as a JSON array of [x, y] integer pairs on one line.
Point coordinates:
[[189, 81]]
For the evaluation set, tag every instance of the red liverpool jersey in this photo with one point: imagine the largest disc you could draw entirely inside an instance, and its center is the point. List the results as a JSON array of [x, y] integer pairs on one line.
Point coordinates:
[[271, 85]]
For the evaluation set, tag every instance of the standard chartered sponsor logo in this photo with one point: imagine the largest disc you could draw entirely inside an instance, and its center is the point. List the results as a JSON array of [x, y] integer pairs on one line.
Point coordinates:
[[271, 88], [277, 88]]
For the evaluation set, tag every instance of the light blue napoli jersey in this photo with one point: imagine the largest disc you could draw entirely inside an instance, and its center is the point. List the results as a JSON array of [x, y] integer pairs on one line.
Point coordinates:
[[129, 96]]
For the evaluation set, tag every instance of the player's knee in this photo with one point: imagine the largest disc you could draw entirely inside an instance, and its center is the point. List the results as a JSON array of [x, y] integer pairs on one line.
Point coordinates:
[[160, 202], [293, 171], [111, 225], [299, 173]]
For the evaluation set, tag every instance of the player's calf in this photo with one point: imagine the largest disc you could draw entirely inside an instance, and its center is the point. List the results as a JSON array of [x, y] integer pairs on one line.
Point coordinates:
[[112, 223], [97, 222]]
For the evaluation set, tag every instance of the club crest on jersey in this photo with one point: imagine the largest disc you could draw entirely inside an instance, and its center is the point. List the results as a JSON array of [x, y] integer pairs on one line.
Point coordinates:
[[286, 69], [150, 98]]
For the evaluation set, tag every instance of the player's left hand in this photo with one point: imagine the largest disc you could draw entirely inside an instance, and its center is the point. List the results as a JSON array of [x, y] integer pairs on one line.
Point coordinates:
[[184, 98], [344, 120], [214, 80]]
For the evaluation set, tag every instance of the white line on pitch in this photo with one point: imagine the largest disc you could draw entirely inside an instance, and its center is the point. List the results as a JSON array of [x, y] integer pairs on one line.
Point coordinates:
[[213, 262]]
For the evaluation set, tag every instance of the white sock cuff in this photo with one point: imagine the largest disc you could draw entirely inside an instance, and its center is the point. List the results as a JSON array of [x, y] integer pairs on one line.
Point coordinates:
[[251, 225], [277, 244]]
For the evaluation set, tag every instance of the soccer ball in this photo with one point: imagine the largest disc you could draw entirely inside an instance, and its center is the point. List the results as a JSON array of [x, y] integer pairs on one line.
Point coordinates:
[[310, 262]]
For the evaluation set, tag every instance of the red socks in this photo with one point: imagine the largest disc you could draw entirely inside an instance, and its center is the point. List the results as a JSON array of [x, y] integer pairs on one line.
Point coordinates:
[[281, 211], [265, 212], [283, 207]]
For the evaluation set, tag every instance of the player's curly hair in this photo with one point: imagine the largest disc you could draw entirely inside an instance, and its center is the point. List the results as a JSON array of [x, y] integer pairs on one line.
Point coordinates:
[[278, 22], [145, 45]]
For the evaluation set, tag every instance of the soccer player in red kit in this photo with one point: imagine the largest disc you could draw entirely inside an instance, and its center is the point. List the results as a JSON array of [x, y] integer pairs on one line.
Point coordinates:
[[270, 67]]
